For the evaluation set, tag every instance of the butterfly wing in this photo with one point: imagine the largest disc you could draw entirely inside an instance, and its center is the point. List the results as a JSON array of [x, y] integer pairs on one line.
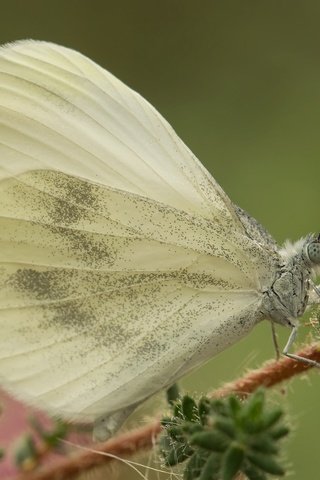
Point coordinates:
[[122, 263]]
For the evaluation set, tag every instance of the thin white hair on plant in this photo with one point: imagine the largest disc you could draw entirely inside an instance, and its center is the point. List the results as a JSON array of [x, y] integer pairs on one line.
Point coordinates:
[[130, 463]]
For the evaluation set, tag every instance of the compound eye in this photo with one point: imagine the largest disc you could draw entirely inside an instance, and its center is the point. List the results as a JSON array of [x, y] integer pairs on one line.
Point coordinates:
[[313, 250]]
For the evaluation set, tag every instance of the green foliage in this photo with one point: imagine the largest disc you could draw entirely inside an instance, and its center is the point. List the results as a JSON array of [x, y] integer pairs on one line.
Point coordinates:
[[50, 438], [27, 454], [220, 438]]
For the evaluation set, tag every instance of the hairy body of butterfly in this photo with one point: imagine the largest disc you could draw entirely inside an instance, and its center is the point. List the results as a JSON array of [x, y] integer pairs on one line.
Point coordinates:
[[123, 264]]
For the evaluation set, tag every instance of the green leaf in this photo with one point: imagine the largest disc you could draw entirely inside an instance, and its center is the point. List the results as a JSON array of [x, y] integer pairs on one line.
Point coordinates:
[[210, 441], [192, 427], [251, 426], [211, 468], [178, 454], [232, 462], [53, 438], [166, 421], [266, 463], [195, 465], [220, 407], [272, 417], [235, 405], [226, 426], [165, 446], [279, 432], [177, 410], [174, 431], [255, 404], [264, 445], [253, 473], [204, 408]]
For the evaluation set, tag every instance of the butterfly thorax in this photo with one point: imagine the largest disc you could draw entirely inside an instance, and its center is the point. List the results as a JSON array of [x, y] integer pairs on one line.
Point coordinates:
[[287, 297]]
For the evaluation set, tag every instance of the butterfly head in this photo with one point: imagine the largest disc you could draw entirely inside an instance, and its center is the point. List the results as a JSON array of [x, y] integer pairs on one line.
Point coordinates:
[[288, 296]]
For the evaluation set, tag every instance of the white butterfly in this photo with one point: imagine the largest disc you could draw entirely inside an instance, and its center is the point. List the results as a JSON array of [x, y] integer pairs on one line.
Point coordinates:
[[123, 264]]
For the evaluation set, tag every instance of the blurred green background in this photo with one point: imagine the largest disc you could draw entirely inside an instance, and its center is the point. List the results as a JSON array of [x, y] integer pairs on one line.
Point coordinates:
[[240, 83]]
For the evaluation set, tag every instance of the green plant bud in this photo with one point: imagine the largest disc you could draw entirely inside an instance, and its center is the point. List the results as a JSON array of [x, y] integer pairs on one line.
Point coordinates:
[[266, 463], [232, 462], [210, 441], [223, 437], [1, 453], [189, 408]]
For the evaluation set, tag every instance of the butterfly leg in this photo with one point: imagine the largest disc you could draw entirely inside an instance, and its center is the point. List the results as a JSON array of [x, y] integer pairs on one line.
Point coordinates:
[[290, 342], [275, 340], [107, 425]]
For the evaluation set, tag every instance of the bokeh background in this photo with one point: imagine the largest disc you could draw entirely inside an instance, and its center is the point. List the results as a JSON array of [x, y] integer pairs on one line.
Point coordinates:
[[240, 83]]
